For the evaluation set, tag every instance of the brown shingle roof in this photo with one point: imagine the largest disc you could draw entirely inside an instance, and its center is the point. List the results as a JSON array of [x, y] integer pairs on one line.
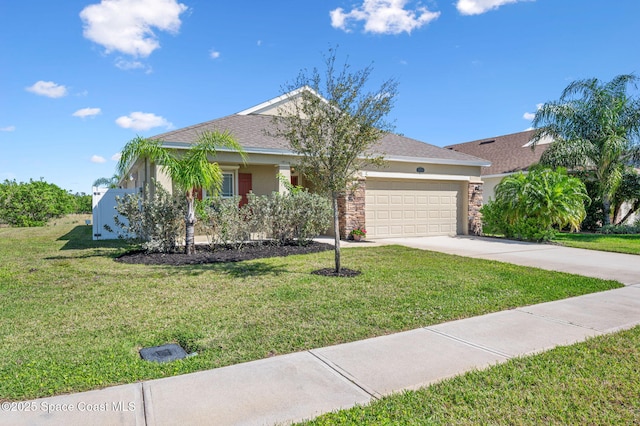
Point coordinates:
[[506, 153], [248, 130]]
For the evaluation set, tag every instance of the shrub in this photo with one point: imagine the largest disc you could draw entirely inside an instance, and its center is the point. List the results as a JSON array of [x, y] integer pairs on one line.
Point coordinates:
[[621, 229], [529, 206], [155, 218], [595, 211], [272, 216], [225, 222], [83, 203], [33, 203], [312, 215], [297, 216]]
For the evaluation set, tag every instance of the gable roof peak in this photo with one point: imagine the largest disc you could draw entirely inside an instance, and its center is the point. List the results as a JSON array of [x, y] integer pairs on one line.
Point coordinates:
[[270, 106]]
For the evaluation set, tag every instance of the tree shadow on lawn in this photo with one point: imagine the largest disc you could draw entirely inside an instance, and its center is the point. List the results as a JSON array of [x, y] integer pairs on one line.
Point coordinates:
[[236, 269], [80, 238]]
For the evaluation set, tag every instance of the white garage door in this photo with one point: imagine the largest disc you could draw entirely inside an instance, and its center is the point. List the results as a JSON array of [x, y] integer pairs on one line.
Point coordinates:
[[411, 208]]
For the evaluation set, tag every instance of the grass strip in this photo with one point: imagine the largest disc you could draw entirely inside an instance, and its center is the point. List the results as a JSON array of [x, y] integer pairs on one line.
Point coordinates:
[[619, 243]]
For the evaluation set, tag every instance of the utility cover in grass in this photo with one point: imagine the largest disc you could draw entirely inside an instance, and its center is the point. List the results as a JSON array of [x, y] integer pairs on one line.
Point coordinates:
[[163, 353]]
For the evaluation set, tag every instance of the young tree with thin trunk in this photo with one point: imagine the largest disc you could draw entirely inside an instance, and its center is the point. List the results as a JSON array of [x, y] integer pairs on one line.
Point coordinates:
[[334, 123], [594, 126], [195, 169]]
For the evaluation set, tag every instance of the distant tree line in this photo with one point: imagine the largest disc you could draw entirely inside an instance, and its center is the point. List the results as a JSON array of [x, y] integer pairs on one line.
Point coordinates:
[[35, 202]]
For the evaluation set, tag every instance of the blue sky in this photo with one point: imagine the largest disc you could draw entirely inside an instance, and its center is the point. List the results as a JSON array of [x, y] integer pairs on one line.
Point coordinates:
[[79, 79]]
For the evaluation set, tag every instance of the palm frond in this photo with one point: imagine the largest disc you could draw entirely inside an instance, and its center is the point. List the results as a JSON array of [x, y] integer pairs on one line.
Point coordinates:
[[143, 148]]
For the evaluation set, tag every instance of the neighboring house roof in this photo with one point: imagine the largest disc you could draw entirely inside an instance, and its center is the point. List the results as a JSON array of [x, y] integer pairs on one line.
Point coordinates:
[[249, 131], [508, 154]]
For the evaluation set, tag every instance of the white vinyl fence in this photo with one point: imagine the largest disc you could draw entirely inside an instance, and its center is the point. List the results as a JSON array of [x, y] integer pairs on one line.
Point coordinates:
[[104, 210]]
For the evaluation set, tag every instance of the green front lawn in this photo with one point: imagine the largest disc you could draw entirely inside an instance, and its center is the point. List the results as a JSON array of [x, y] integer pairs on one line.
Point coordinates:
[[73, 319], [604, 242], [596, 382]]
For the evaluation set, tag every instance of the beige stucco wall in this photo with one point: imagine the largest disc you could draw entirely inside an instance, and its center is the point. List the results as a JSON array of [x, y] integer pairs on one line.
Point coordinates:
[[263, 178], [489, 188], [429, 169]]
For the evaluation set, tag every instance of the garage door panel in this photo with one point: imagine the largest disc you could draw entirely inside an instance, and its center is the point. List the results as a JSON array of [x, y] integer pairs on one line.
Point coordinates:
[[382, 199], [410, 229], [395, 229], [421, 229], [411, 208]]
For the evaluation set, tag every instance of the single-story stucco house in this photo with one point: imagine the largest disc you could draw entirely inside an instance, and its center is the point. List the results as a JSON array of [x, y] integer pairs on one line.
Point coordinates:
[[508, 154], [423, 190]]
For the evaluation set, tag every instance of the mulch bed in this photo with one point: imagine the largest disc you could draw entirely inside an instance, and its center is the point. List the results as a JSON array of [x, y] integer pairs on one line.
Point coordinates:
[[204, 254]]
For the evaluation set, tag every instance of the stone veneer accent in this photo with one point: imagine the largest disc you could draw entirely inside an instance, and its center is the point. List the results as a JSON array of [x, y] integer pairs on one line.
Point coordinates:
[[475, 203], [351, 208]]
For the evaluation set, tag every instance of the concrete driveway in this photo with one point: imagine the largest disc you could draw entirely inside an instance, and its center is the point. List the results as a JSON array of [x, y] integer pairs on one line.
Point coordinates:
[[613, 266]]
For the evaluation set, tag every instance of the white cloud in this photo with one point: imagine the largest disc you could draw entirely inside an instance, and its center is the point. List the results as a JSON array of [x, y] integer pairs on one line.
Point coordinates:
[[477, 7], [214, 54], [531, 115], [259, 43], [48, 88], [383, 17], [142, 121], [87, 112], [125, 64], [8, 129], [98, 159], [116, 156], [127, 26]]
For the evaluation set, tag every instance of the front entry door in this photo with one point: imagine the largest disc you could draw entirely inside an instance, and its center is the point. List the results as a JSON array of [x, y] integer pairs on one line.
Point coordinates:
[[244, 187]]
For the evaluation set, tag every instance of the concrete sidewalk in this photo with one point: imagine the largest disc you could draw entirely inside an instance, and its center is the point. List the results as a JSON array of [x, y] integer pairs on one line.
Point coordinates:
[[302, 385]]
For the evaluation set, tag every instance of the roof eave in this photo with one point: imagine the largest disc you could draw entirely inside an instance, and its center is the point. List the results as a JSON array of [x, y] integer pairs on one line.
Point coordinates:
[[500, 175], [399, 159], [248, 150]]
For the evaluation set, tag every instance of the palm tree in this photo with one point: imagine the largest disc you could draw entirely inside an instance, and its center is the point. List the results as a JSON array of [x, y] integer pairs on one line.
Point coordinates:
[[551, 197], [111, 182], [595, 126], [190, 171]]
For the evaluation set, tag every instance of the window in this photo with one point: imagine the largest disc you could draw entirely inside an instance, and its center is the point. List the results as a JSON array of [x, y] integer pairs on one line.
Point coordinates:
[[227, 185], [227, 189]]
